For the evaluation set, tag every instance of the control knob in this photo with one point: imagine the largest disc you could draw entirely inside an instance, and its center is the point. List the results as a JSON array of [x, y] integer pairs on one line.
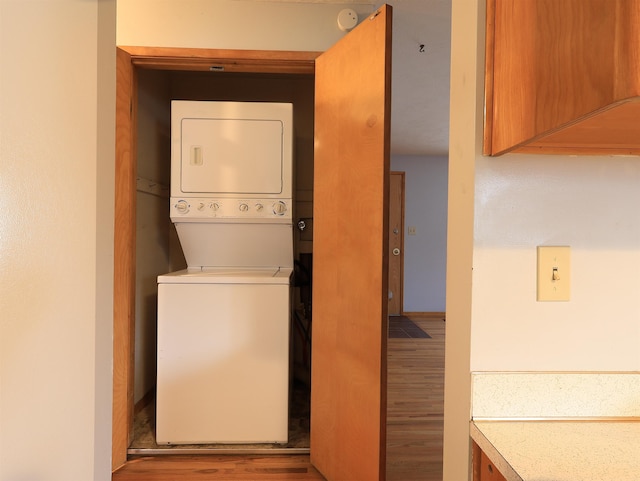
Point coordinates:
[[243, 207], [182, 206], [279, 208], [214, 206]]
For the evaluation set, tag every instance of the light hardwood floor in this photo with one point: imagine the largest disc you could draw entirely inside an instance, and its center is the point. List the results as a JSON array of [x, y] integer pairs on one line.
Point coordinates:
[[414, 428], [415, 404], [219, 468]]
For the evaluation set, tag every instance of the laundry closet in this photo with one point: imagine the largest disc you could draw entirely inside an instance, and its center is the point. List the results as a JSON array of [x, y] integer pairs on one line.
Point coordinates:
[[159, 252]]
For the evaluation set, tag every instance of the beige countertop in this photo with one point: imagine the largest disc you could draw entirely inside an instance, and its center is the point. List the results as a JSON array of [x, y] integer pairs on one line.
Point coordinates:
[[559, 426], [562, 450]]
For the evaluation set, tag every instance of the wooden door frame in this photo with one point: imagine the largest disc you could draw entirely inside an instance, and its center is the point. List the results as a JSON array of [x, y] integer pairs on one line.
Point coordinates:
[[128, 61]]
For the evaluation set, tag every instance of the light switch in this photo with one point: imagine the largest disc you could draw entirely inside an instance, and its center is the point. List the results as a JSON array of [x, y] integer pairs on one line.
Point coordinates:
[[554, 273]]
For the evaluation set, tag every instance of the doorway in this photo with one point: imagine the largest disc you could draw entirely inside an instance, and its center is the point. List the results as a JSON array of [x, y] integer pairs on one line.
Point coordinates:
[[189, 74]]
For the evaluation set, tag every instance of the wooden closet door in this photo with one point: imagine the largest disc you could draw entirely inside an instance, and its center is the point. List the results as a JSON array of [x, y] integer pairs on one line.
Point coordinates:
[[350, 264]]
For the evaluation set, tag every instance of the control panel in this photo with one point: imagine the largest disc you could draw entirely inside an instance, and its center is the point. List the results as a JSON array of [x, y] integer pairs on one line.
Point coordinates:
[[250, 209]]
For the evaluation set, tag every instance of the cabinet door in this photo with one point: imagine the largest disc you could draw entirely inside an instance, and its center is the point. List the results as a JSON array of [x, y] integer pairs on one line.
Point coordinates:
[[488, 471], [562, 77], [350, 271]]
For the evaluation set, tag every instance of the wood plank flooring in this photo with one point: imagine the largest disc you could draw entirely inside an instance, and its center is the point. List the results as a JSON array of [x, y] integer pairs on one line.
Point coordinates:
[[414, 428], [219, 467], [415, 404]]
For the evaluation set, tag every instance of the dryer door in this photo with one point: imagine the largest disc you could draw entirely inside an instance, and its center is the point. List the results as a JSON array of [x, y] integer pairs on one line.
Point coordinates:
[[237, 149], [231, 156]]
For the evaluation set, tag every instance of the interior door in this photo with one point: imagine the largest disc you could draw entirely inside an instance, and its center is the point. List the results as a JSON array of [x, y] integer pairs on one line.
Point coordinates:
[[396, 242], [350, 265]]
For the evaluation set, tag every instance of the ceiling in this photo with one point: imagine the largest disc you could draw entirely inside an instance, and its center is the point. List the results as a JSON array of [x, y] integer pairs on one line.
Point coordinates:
[[420, 81]]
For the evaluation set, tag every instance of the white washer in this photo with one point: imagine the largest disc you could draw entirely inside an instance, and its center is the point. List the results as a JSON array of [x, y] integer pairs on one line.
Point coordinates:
[[223, 356]]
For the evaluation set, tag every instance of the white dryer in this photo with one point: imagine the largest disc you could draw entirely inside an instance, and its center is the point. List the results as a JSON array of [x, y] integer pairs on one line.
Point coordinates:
[[224, 322]]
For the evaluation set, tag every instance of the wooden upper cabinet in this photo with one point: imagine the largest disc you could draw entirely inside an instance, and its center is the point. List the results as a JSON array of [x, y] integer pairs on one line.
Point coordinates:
[[563, 77]]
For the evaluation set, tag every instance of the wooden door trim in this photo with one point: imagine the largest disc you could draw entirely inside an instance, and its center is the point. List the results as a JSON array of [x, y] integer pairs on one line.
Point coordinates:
[[124, 258], [251, 61], [128, 60]]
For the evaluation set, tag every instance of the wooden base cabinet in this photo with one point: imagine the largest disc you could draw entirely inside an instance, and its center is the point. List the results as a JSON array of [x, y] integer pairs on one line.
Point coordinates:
[[561, 77], [483, 467]]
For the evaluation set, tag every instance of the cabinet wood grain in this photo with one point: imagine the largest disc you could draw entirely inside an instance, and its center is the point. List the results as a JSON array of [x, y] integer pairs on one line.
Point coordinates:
[[483, 467], [562, 77]]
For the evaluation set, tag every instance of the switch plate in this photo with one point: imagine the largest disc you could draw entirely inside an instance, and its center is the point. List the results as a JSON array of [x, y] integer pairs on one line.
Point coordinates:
[[412, 230], [554, 273]]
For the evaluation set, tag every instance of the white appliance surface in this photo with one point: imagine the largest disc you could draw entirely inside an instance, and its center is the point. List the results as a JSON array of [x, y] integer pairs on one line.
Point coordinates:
[[215, 244], [228, 275], [223, 356], [233, 153], [231, 149]]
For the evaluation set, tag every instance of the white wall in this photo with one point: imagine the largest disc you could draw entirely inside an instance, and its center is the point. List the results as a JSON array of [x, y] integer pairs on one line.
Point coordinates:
[[465, 134], [231, 24], [56, 238], [425, 254], [588, 203]]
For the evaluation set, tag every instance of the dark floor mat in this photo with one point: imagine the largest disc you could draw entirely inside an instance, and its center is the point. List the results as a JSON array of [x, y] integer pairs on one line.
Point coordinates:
[[403, 327]]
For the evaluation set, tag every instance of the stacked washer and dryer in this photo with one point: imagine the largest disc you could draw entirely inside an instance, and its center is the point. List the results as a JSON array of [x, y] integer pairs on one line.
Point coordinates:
[[223, 323]]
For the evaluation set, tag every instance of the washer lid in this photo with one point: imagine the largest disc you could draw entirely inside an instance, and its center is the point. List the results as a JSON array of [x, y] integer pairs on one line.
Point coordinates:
[[228, 275]]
